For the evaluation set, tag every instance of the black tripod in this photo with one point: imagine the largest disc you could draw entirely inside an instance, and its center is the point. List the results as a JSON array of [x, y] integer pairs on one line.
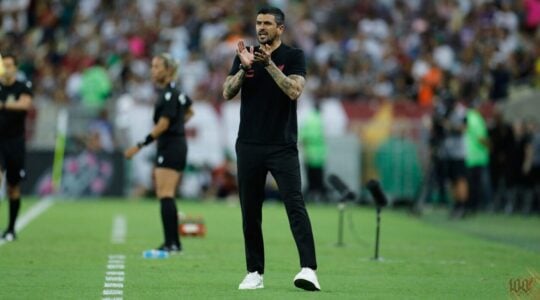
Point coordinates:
[[345, 195], [341, 213], [379, 197], [377, 233]]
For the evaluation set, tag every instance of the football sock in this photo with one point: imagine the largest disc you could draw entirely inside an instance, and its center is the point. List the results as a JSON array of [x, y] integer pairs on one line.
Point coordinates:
[[169, 218], [14, 205]]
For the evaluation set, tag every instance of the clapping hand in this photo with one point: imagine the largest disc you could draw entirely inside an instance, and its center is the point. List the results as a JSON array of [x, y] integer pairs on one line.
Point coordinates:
[[262, 55], [245, 55]]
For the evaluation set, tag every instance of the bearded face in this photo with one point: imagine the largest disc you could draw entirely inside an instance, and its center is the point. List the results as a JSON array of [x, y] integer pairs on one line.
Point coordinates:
[[267, 29]]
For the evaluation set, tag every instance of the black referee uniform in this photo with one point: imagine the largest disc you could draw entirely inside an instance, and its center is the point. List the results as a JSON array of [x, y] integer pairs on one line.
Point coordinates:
[[12, 141], [171, 145], [171, 152], [267, 142]]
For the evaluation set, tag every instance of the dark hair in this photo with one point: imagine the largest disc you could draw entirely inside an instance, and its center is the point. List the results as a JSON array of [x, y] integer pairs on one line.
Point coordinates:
[[276, 12], [10, 55]]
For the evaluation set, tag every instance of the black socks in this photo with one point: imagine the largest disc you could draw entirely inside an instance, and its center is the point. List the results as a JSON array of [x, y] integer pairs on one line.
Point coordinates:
[[14, 205], [169, 218]]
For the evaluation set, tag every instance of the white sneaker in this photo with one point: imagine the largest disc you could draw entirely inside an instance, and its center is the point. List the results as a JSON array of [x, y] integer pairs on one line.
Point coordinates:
[[252, 281], [9, 236], [307, 280]]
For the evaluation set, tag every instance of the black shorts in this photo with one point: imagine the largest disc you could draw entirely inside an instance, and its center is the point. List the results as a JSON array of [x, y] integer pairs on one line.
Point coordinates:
[[456, 169], [535, 175], [171, 154], [12, 157]]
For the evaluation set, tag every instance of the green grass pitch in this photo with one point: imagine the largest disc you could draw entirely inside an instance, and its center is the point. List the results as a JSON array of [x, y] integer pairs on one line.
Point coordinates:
[[63, 254]]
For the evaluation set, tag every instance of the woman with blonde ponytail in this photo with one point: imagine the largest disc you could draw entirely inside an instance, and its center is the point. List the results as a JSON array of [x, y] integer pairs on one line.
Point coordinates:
[[171, 111]]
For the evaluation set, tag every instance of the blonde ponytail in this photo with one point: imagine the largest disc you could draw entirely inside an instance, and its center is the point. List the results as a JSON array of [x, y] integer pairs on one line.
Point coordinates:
[[170, 64]]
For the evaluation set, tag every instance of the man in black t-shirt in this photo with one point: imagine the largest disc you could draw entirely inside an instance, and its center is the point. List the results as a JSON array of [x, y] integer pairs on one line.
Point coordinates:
[[15, 101], [271, 77], [172, 110]]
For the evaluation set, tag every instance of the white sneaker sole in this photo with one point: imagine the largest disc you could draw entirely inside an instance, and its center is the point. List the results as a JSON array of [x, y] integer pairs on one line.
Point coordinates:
[[305, 285]]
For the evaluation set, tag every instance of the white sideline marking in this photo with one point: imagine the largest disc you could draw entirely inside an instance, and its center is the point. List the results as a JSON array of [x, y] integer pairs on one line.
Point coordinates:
[[113, 267], [31, 214], [115, 273], [114, 276], [114, 285], [118, 235], [112, 292]]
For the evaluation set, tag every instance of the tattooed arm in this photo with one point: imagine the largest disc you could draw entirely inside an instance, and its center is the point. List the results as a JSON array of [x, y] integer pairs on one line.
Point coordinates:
[[232, 84], [291, 85]]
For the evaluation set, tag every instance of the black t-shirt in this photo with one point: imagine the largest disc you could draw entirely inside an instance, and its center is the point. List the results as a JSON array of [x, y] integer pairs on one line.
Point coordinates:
[[501, 138], [12, 122], [517, 156], [173, 105], [267, 114]]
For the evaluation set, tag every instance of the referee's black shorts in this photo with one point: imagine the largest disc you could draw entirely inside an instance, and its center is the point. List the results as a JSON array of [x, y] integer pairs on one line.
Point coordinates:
[[171, 153], [12, 158]]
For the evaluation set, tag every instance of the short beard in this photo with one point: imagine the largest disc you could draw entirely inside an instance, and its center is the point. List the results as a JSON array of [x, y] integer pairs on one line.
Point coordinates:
[[268, 42]]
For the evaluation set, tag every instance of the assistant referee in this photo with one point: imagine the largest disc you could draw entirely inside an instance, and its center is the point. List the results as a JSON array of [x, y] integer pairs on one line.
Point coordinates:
[[15, 101], [171, 111]]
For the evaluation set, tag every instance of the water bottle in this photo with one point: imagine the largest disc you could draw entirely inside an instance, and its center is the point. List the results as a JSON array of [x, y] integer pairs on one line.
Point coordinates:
[[159, 254]]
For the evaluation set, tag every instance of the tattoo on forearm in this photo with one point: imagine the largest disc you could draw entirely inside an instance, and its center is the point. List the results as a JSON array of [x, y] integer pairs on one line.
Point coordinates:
[[291, 85], [232, 84]]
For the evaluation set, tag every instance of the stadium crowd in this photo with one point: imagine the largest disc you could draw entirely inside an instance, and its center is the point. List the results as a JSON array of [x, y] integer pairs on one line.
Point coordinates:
[[356, 49], [86, 53]]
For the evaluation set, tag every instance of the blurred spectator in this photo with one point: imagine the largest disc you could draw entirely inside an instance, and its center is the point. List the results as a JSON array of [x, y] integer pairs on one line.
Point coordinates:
[[500, 81], [537, 67], [477, 159], [455, 153], [224, 179], [435, 177], [14, 16], [396, 50], [391, 41], [528, 167], [535, 168], [95, 86], [429, 82], [501, 139], [100, 132], [520, 191], [311, 137], [532, 9], [134, 119]]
